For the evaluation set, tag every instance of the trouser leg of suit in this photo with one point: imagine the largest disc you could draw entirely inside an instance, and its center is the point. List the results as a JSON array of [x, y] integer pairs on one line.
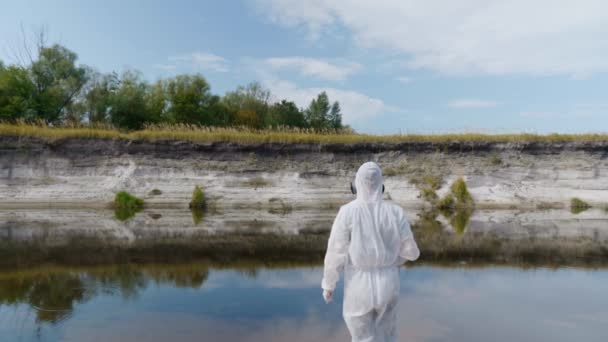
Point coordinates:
[[379, 325]]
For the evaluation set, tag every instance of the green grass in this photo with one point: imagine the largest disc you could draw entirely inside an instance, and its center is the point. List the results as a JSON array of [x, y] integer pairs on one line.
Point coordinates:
[[198, 199], [447, 202], [127, 205], [428, 185], [461, 193], [257, 182], [577, 205], [284, 135]]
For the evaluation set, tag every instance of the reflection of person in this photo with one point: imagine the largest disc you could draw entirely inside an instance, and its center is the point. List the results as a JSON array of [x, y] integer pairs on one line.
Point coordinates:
[[369, 240]]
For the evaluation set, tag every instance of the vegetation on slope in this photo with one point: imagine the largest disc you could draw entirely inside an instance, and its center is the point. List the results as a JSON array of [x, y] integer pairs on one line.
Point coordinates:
[[245, 135]]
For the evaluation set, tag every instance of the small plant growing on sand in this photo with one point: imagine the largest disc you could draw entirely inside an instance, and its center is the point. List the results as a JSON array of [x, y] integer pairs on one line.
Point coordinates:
[[577, 205], [446, 203], [155, 192], [495, 159], [257, 182], [458, 205], [198, 199], [428, 185], [127, 205], [461, 193]]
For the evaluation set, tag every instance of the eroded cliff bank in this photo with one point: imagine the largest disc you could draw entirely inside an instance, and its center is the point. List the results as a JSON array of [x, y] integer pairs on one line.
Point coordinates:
[[80, 172]]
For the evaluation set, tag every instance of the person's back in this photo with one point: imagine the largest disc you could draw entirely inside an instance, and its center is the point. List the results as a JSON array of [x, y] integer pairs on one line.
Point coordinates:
[[370, 238]]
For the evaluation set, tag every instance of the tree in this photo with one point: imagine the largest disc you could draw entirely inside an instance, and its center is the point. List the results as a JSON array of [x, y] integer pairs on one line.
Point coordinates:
[[157, 103], [250, 103], [16, 90], [286, 113], [97, 98], [57, 81], [190, 99], [335, 116], [128, 107], [317, 112]]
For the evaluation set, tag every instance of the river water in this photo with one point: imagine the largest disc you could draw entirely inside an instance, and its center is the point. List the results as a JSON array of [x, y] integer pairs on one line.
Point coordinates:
[[140, 289]]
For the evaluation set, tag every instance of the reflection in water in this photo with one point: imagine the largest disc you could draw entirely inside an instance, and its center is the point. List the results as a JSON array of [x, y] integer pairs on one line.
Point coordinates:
[[197, 215], [52, 293], [458, 218], [69, 237], [256, 276], [125, 213], [193, 302]]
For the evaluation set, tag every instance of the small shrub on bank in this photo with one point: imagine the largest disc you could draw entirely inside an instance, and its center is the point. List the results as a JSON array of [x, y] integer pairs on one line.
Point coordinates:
[[156, 192], [198, 199], [257, 182], [495, 159], [461, 192], [577, 205], [446, 203], [127, 205], [428, 185]]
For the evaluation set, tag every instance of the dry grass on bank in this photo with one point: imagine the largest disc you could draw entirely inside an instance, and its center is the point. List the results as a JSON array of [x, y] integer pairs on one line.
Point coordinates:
[[244, 135]]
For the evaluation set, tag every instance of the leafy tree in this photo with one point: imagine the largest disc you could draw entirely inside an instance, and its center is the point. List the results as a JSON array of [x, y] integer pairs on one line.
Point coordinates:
[[222, 115], [250, 103], [128, 107], [320, 114], [16, 90], [57, 81], [190, 100], [286, 113], [335, 116], [98, 96], [156, 102], [317, 112]]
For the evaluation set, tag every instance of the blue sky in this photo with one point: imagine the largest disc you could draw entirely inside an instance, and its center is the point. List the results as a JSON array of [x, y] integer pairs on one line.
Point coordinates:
[[395, 65]]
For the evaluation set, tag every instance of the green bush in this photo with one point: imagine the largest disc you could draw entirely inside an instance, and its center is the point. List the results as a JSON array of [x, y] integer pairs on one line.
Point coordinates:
[[577, 205], [461, 193], [155, 192], [198, 199], [127, 205], [446, 203]]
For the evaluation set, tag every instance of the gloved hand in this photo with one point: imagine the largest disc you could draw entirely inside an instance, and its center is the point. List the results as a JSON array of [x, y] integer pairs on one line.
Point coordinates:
[[328, 296]]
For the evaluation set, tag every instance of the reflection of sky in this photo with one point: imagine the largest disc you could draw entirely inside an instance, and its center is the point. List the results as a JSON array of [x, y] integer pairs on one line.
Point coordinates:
[[437, 304]]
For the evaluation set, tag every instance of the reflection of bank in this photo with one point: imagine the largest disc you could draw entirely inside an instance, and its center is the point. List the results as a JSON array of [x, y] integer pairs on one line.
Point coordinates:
[[52, 292], [30, 237]]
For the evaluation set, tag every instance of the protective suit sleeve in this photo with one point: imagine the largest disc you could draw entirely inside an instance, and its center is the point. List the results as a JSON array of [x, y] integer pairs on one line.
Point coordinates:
[[337, 251], [409, 249]]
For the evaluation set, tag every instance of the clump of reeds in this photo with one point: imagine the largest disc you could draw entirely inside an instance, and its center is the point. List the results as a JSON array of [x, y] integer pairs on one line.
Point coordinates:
[[577, 205]]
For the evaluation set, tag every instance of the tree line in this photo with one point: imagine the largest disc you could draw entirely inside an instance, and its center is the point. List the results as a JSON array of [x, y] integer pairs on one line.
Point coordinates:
[[53, 88]]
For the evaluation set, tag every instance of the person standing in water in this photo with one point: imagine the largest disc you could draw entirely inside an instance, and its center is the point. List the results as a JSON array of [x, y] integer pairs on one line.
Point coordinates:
[[370, 239]]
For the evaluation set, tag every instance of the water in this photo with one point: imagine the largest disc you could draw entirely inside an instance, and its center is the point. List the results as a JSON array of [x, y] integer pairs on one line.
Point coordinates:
[[194, 303], [85, 276]]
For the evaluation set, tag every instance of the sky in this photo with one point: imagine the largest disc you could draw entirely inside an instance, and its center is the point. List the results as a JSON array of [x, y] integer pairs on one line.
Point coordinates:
[[395, 66]]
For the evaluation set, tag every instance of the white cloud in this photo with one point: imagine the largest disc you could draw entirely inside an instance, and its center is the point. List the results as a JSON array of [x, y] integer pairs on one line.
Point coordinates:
[[319, 68], [539, 114], [404, 79], [356, 107], [196, 60], [468, 36], [472, 103]]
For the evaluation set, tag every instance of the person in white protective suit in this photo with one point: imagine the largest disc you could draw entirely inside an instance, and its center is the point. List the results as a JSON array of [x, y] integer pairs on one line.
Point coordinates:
[[369, 240]]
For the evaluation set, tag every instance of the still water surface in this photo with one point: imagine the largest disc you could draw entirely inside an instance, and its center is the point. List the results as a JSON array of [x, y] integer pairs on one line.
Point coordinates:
[[544, 277], [200, 303]]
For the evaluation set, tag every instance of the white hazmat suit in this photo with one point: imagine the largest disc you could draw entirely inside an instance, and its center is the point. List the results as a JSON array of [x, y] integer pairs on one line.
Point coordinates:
[[369, 240]]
